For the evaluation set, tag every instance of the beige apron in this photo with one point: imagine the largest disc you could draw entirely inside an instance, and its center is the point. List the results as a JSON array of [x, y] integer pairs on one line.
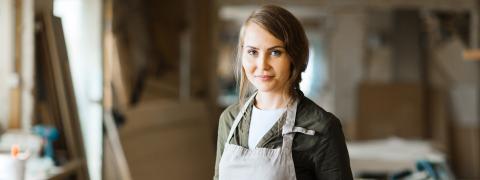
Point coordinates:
[[239, 163]]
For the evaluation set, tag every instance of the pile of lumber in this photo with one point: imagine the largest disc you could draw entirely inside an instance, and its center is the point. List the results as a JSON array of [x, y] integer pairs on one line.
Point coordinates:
[[55, 102]]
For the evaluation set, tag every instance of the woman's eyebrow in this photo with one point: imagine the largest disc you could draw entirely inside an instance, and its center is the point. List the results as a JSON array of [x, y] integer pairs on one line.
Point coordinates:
[[251, 47], [275, 47]]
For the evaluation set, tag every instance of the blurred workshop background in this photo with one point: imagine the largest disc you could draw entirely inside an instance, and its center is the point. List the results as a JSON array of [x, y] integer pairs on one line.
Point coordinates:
[[132, 89]]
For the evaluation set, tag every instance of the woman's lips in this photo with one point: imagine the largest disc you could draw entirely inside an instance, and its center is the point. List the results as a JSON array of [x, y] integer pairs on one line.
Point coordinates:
[[264, 77]]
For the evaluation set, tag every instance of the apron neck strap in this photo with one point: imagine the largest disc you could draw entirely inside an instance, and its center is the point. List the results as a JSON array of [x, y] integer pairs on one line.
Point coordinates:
[[239, 117], [286, 129], [290, 121]]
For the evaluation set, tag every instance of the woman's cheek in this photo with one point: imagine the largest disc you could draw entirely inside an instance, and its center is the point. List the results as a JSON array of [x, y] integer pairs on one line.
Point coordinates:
[[247, 65]]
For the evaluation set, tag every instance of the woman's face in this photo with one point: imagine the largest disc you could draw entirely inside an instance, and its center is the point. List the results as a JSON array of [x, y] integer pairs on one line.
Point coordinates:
[[264, 59]]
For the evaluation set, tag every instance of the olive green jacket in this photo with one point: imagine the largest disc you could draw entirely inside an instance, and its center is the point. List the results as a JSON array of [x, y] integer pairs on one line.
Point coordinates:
[[323, 155]]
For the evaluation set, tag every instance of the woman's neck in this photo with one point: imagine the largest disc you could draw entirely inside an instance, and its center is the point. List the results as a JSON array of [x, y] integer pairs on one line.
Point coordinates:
[[267, 101]]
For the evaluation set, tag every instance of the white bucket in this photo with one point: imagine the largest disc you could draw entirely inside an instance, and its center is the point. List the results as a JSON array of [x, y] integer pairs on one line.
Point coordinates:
[[11, 168]]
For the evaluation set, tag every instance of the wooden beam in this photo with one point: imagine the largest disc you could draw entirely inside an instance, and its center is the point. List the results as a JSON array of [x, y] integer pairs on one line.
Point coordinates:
[[114, 140], [61, 89], [472, 55], [107, 55], [7, 53], [458, 5], [27, 61], [120, 88], [15, 93]]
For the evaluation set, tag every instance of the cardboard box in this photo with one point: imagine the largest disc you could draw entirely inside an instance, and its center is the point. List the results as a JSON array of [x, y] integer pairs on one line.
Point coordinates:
[[387, 110]]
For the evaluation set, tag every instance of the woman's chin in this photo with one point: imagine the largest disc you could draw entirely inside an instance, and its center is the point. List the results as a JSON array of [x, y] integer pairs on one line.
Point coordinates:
[[265, 89]]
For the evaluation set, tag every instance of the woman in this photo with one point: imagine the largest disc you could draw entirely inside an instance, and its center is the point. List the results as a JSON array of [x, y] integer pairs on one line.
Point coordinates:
[[275, 132]]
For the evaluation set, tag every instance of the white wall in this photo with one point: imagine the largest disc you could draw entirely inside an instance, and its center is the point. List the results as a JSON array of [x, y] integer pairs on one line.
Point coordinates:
[[82, 24]]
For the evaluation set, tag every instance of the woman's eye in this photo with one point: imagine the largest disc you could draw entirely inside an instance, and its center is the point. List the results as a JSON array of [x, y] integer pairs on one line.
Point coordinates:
[[252, 52], [276, 53]]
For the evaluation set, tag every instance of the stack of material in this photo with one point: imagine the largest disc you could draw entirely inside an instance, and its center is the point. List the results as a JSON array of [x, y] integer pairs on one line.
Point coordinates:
[[55, 98]]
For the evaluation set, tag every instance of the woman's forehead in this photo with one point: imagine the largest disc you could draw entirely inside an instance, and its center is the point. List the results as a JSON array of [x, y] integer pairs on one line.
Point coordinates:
[[258, 37]]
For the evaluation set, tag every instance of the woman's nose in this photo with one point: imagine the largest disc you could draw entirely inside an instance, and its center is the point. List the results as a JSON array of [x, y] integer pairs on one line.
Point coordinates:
[[262, 62]]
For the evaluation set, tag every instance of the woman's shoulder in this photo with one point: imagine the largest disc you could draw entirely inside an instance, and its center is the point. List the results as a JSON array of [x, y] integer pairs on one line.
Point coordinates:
[[311, 116], [229, 113]]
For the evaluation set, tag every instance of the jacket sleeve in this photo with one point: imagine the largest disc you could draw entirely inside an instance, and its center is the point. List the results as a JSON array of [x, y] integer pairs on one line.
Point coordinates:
[[223, 130], [332, 160]]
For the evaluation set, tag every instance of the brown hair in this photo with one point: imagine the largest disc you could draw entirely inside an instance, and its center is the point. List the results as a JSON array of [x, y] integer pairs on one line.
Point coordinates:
[[285, 27]]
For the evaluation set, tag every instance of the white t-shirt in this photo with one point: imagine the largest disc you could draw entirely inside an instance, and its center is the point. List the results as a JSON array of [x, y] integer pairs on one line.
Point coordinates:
[[261, 122]]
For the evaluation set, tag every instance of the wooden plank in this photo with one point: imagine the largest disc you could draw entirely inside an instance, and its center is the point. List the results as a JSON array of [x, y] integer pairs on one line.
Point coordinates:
[[123, 70], [68, 83], [59, 83], [120, 90], [115, 164], [118, 79], [117, 149], [46, 86], [27, 60], [47, 93], [107, 74], [43, 6], [46, 99], [109, 169], [7, 41], [377, 4], [472, 55], [15, 103], [107, 55], [63, 87], [70, 95], [14, 122], [15, 94]]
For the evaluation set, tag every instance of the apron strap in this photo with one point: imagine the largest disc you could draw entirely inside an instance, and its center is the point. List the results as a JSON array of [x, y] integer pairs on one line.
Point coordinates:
[[239, 117], [288, 127], [302, 130]]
